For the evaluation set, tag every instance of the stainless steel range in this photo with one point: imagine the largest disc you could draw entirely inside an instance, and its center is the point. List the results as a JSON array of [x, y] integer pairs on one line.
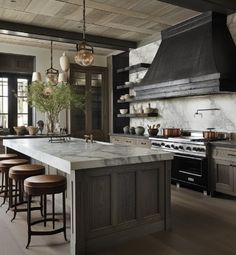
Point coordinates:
[[190, 166]]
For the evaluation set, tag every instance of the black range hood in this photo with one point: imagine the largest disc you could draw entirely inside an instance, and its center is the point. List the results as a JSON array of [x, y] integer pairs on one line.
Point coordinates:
[[196, 57]]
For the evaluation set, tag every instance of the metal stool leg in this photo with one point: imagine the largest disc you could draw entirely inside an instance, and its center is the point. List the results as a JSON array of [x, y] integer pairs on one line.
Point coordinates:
[[45, 210], [53, 211], [29, 219]]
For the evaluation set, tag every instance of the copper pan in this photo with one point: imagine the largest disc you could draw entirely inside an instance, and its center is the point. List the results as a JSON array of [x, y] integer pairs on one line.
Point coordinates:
[[209, 134], [171, 132]]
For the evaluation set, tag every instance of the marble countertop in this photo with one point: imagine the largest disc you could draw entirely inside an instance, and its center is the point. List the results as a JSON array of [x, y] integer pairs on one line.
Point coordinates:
[[77, 154]]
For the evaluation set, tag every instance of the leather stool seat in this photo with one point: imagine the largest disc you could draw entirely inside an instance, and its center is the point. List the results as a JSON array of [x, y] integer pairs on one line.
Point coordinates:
[[6, 164], [25, 171], [7, 156], [43, 185], [3, 168], [18, 174], [14, 161]]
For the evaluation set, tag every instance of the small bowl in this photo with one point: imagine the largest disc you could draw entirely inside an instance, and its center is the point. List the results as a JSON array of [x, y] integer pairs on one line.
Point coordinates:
[[153, 131], [126, 96], [123, 111], [32, 130], [21, 130], [148, 110], [128, 82]]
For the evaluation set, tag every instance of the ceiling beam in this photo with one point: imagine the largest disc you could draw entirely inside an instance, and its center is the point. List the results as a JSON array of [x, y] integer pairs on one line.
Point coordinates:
[[221, 6], [42, 33]]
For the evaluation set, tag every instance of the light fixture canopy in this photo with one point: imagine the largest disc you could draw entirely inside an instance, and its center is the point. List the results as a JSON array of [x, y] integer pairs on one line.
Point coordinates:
[[52, 73], [85, 53]]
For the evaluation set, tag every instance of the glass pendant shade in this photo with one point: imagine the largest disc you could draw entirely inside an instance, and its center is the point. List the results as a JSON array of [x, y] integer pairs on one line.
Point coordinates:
[[84, 55], [52, 75]]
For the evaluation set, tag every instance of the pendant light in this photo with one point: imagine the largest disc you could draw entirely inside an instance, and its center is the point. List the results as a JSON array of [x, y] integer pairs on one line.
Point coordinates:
[[36, 76], [85, 54], [52, 73]]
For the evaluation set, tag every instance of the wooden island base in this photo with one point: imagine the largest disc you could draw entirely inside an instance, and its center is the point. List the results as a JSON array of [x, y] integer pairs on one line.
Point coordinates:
[[114, 204]]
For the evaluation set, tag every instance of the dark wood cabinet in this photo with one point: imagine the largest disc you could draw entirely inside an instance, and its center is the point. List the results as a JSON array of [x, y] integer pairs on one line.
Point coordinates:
[[92, 83], [224, 170]]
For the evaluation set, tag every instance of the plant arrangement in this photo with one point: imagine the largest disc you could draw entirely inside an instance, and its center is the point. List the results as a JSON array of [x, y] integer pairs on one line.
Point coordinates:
[[51, 98]]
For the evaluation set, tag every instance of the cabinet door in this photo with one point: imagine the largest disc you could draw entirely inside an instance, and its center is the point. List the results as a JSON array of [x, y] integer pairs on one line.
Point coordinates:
[[92, 83], [224, 176]]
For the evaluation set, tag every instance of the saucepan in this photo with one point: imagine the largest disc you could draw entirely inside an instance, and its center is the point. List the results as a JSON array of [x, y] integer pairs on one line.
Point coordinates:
[[171, 132], [210, 134]]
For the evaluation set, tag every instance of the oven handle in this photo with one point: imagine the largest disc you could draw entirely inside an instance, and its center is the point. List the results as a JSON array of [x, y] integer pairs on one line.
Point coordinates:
[[184, 156], [185, 172]]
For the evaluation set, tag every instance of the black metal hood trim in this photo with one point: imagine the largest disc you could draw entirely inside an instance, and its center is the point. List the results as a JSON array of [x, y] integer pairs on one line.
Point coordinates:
[[196, 57]]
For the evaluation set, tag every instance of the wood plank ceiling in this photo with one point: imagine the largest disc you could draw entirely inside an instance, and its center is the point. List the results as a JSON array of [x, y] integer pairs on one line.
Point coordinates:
[[134, 20]]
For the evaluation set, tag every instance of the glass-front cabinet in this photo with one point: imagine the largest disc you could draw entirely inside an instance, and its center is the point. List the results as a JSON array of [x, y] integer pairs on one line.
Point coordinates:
[[92, 83]]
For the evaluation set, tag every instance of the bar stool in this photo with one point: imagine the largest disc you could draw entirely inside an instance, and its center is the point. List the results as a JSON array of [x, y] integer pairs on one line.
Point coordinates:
[[45, 185], [6, 165], [2, 157], [18, 174]]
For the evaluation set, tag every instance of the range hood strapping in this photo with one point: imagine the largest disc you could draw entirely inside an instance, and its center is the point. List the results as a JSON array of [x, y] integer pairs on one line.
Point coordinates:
[[196, 57]]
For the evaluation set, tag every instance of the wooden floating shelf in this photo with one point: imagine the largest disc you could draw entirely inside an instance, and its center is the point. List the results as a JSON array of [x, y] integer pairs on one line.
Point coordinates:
[[134, 68], [126, 101], [137, 115]]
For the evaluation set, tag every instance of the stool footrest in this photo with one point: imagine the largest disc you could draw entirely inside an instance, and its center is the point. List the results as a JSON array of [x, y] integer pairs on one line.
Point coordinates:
[[42, 220], [49, 232]]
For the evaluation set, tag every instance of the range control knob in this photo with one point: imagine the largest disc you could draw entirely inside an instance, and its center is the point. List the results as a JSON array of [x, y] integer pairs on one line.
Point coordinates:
[[195, 149], [162, 144], [167, 146], [172, 146], [176, 147], [181, 147], [188, 148]]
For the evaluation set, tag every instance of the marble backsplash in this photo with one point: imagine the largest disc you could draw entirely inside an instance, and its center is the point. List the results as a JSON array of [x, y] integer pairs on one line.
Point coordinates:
[[179, 112]]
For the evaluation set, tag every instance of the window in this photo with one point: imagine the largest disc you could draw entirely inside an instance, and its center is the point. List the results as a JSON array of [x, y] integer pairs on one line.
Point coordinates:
[[3, 102], [14, 109]]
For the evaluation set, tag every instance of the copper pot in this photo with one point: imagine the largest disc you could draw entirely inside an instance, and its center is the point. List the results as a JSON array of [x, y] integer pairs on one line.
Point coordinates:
[[171, 132], [209, 134]]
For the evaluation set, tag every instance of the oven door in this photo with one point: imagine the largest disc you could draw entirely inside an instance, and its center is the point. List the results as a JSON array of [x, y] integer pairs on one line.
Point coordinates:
[[190, 169]]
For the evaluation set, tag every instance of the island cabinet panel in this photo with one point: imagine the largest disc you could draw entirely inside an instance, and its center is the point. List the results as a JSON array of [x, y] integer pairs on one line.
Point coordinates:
[[99, 202], [119, 203], [149, 193], [126, 193]]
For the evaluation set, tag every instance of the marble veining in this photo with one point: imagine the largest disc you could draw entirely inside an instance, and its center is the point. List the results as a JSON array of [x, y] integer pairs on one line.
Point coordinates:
[[77, 154]]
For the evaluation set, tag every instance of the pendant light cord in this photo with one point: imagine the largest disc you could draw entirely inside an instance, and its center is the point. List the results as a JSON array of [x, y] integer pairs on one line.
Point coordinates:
[[51, 55], [84, 28]]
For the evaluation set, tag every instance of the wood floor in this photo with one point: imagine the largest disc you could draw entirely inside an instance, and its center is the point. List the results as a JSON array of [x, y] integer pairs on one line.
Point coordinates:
[[201, 225]]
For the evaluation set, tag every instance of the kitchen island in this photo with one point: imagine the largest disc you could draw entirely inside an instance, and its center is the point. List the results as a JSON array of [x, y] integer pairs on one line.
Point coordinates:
[[116, 192]]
